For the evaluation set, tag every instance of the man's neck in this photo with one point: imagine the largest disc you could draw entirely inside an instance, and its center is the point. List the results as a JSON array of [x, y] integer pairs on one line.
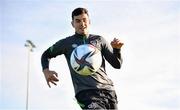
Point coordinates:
[[85, 35]]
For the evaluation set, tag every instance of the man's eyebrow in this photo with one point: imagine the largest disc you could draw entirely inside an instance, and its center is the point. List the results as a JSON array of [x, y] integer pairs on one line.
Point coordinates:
[[77, 19], [80, 19]]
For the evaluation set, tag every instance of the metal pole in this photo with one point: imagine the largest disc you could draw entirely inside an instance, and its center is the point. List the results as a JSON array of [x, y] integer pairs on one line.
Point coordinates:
[[27, 89], [30, 47]]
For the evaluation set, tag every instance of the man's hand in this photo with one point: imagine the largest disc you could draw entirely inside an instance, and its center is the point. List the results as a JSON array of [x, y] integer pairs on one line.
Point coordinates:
[[51, 76], [116, 43]]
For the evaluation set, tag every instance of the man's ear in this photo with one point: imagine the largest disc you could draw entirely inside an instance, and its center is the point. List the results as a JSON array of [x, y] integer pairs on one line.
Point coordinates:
[[72, 24]]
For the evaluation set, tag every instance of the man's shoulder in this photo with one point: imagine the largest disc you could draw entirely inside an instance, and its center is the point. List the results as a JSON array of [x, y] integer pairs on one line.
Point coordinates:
[[67, 38]]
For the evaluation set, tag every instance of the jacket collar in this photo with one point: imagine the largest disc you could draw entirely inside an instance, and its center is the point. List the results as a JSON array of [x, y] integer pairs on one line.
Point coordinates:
[[81, 36]]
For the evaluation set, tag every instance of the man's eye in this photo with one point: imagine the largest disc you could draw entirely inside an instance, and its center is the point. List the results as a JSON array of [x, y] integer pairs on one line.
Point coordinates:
[[77, 21], [85, 20]]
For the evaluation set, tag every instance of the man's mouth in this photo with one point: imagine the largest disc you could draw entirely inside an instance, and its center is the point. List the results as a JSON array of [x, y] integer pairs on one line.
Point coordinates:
[[83, 28]]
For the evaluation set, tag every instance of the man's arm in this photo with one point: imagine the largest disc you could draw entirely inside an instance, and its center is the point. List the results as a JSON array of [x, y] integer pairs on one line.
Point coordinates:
[[50, 76], [112, 53], [57, 49], [116, 44]]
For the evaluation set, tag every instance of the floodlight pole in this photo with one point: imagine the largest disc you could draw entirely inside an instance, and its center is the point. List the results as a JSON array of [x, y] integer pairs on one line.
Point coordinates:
[[30, 47]]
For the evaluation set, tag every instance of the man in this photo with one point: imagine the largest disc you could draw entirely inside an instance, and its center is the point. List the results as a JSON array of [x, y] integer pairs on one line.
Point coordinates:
[[93, 91]]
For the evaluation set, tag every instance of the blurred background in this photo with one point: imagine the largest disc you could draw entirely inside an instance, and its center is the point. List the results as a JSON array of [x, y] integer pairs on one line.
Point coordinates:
[[150, 29]]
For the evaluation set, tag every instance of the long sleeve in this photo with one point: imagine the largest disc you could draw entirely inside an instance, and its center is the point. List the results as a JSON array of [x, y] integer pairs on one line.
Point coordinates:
[[112, 55], [57, 49], [45, 59]]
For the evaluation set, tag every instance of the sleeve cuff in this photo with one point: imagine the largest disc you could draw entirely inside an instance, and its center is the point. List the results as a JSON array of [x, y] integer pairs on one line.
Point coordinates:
[[115, 50]]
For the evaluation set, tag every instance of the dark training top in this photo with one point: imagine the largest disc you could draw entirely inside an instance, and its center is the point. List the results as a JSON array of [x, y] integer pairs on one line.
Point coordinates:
[[99, 80]]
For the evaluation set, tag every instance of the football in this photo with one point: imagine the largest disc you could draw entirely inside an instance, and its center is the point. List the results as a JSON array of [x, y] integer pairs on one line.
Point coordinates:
[[86, 59]]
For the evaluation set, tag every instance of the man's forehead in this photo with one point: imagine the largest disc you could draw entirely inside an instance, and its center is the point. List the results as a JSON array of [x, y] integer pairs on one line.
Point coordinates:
[[82, 16]]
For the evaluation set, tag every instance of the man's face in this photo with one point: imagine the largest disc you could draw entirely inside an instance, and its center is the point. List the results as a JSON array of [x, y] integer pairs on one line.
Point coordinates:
[[81, 24]]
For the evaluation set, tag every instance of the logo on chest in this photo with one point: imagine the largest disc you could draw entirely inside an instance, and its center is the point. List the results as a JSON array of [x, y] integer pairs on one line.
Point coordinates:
[[74, 45]]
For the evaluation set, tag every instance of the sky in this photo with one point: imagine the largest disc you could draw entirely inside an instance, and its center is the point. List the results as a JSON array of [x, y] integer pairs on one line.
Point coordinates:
[[150, 29]]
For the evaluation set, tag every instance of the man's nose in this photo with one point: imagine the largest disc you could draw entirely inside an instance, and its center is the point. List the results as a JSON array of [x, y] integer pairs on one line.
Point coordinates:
[[82, 23]]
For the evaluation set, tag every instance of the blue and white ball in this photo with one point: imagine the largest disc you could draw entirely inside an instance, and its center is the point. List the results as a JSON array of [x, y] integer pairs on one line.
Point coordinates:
[[86, 59]]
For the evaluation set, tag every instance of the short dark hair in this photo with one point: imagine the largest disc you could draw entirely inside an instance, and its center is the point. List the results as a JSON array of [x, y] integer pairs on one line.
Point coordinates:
[[79, 11]]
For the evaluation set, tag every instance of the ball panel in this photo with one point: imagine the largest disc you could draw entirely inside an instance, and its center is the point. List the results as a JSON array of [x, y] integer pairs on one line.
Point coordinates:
[[86, 59]]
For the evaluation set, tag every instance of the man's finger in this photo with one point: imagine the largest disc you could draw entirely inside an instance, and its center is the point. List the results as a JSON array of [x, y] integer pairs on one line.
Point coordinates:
[[53, 82], [48, 84], [54, 78], [55, 74]]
